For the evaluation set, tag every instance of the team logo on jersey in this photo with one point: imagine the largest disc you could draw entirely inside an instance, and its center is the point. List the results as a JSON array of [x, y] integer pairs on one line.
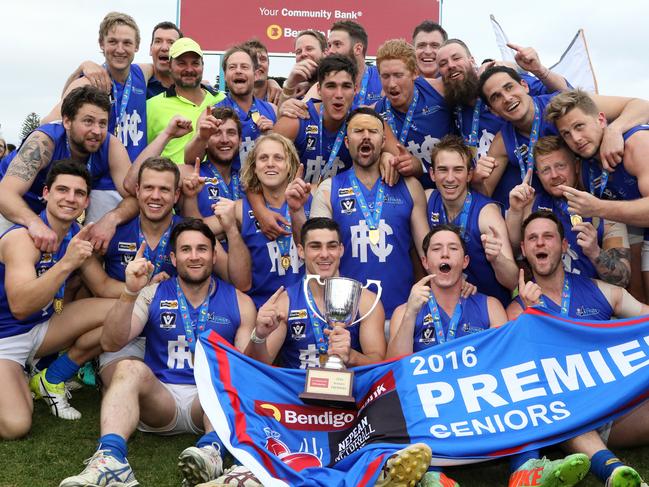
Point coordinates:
[[167, 320], [251, 215], [348, 206], [586, 311], [127, 246], [311, 129], [211, 181], [310, 143], [298, 314], [214, 318], [345, 192], [126, 258], [169, 304], [434, 218], [298, 331], [430, 110], [213, 192], [46, 258], [427, 335], [392, 200]]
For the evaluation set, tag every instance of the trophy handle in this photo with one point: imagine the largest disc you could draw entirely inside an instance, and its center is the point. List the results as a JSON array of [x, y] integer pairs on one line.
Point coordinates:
[[305, 289], [379, 291]]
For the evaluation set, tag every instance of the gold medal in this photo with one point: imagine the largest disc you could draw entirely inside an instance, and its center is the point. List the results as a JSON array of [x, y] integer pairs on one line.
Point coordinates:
[[323, 357], [255, 117], [58, 305], [575, 220], [374, 236], [285, 261]]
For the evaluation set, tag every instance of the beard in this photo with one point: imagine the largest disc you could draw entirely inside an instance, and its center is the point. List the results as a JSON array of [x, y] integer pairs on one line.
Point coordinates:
[[185, 276], [463, 92]]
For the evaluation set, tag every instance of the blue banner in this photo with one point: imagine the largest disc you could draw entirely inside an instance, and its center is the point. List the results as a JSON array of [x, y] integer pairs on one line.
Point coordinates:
[[534, 382]]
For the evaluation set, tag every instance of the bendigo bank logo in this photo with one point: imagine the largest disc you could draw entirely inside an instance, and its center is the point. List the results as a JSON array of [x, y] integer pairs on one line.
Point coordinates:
[[305, 418], [274, 32]]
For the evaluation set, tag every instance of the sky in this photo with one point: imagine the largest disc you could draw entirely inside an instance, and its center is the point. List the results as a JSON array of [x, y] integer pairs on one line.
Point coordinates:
[[46, 40]]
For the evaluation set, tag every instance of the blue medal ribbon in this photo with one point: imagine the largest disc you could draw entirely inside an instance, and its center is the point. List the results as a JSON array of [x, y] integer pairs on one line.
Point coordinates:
[[284, 241], [337, 143], [191, 327], [592, 178], [243, 116], [158, 259], [472, 139], [60, 252], [405, 128], [359, 99], [69, 155], [372, 218], [565, 297], [534, 137], [322, 342], [232, 192], [437, 320], [463, 215], [126, 95]]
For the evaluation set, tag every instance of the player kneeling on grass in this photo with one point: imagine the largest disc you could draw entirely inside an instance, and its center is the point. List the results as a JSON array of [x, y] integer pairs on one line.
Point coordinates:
[[33, 319], [436, 312], [159, 395]]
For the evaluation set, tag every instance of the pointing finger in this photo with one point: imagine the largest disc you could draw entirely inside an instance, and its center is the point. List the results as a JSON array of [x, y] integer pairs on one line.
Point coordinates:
[[140, 251], [528, 176], [273, 299], [85, 231], [515, 47]]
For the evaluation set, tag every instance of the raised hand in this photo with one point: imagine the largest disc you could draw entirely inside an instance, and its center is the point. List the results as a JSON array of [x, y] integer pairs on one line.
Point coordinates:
[[269, 315], [529, 292], [45, 239], [138, 271], [419, 294], [580, 202], [587, 239], [527, 58], [522, 195], [193, 184], [484, 167], [178, 126], [80, 247], [492, 242], [224, 210], [297, 192]]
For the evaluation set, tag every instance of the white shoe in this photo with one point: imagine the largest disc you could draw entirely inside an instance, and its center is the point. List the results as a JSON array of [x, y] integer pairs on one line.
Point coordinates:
[[200, 465], [102, 470], [238, 476], [55, 395]]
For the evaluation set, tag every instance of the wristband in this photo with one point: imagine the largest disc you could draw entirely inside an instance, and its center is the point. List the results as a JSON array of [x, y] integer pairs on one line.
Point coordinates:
[[128, 296], [255, 339]]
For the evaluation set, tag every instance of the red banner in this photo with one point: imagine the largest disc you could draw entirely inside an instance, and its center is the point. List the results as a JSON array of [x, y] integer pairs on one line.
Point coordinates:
[[216, 25]]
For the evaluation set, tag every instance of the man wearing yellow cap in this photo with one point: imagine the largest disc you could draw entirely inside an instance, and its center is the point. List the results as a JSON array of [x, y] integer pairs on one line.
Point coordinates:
[[186, 97]]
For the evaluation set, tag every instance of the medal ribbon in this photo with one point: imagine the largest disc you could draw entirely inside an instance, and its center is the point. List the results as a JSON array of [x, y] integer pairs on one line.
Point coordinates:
[[372, 218], [565, 297], [472, 139], [463, 215], [190, 326], [88, 164], [437, 320], [158, 258], [359, 99], [59, 253], [337, 143], [322, 342], [231, 192], [284, 241], [534, 137], [592, 176], [405, 128], [126, 95]]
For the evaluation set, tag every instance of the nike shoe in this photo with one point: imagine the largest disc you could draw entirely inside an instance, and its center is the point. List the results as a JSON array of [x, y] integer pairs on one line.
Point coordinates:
[[437, 479], [103, 470], [406, 467], [624, 476], [55, 395], [200, 465], [565, 472]]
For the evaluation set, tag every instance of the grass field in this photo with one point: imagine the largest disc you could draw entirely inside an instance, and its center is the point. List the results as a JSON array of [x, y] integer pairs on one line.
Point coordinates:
[[55, 449]]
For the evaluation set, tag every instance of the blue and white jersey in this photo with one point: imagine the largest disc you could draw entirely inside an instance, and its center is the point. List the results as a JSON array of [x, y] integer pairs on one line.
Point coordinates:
[[574, 259], [473, 319], [389, 259], [268, 271], [167, 351], [97, 164], [372, 81], [587, 302], [518, 146], [123, 247], [213, 189], [9, 325], [430, 122], [300, 349], [314, 148], [130, 127], [479, 272], [249, 130]]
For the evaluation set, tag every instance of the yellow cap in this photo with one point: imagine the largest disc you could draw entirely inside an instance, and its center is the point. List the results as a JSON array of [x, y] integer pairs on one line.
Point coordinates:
[[184, 45]]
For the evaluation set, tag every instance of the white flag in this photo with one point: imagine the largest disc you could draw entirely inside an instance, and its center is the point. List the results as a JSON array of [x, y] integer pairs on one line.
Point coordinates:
[[574, 64]]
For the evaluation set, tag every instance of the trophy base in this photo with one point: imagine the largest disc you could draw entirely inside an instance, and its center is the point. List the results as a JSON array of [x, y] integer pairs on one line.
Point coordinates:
[[327, 387]]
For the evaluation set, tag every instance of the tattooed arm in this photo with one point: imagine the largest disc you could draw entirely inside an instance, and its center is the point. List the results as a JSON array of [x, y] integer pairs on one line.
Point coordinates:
[[34, 155], [614, 267]]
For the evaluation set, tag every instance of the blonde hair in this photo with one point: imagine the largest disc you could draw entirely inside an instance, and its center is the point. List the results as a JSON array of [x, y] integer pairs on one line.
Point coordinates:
[[249, 178], [113, 19], [397, 49], [567, 101]]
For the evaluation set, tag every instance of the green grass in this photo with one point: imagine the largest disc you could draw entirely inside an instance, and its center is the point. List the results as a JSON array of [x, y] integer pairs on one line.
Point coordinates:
[[55, 449]]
